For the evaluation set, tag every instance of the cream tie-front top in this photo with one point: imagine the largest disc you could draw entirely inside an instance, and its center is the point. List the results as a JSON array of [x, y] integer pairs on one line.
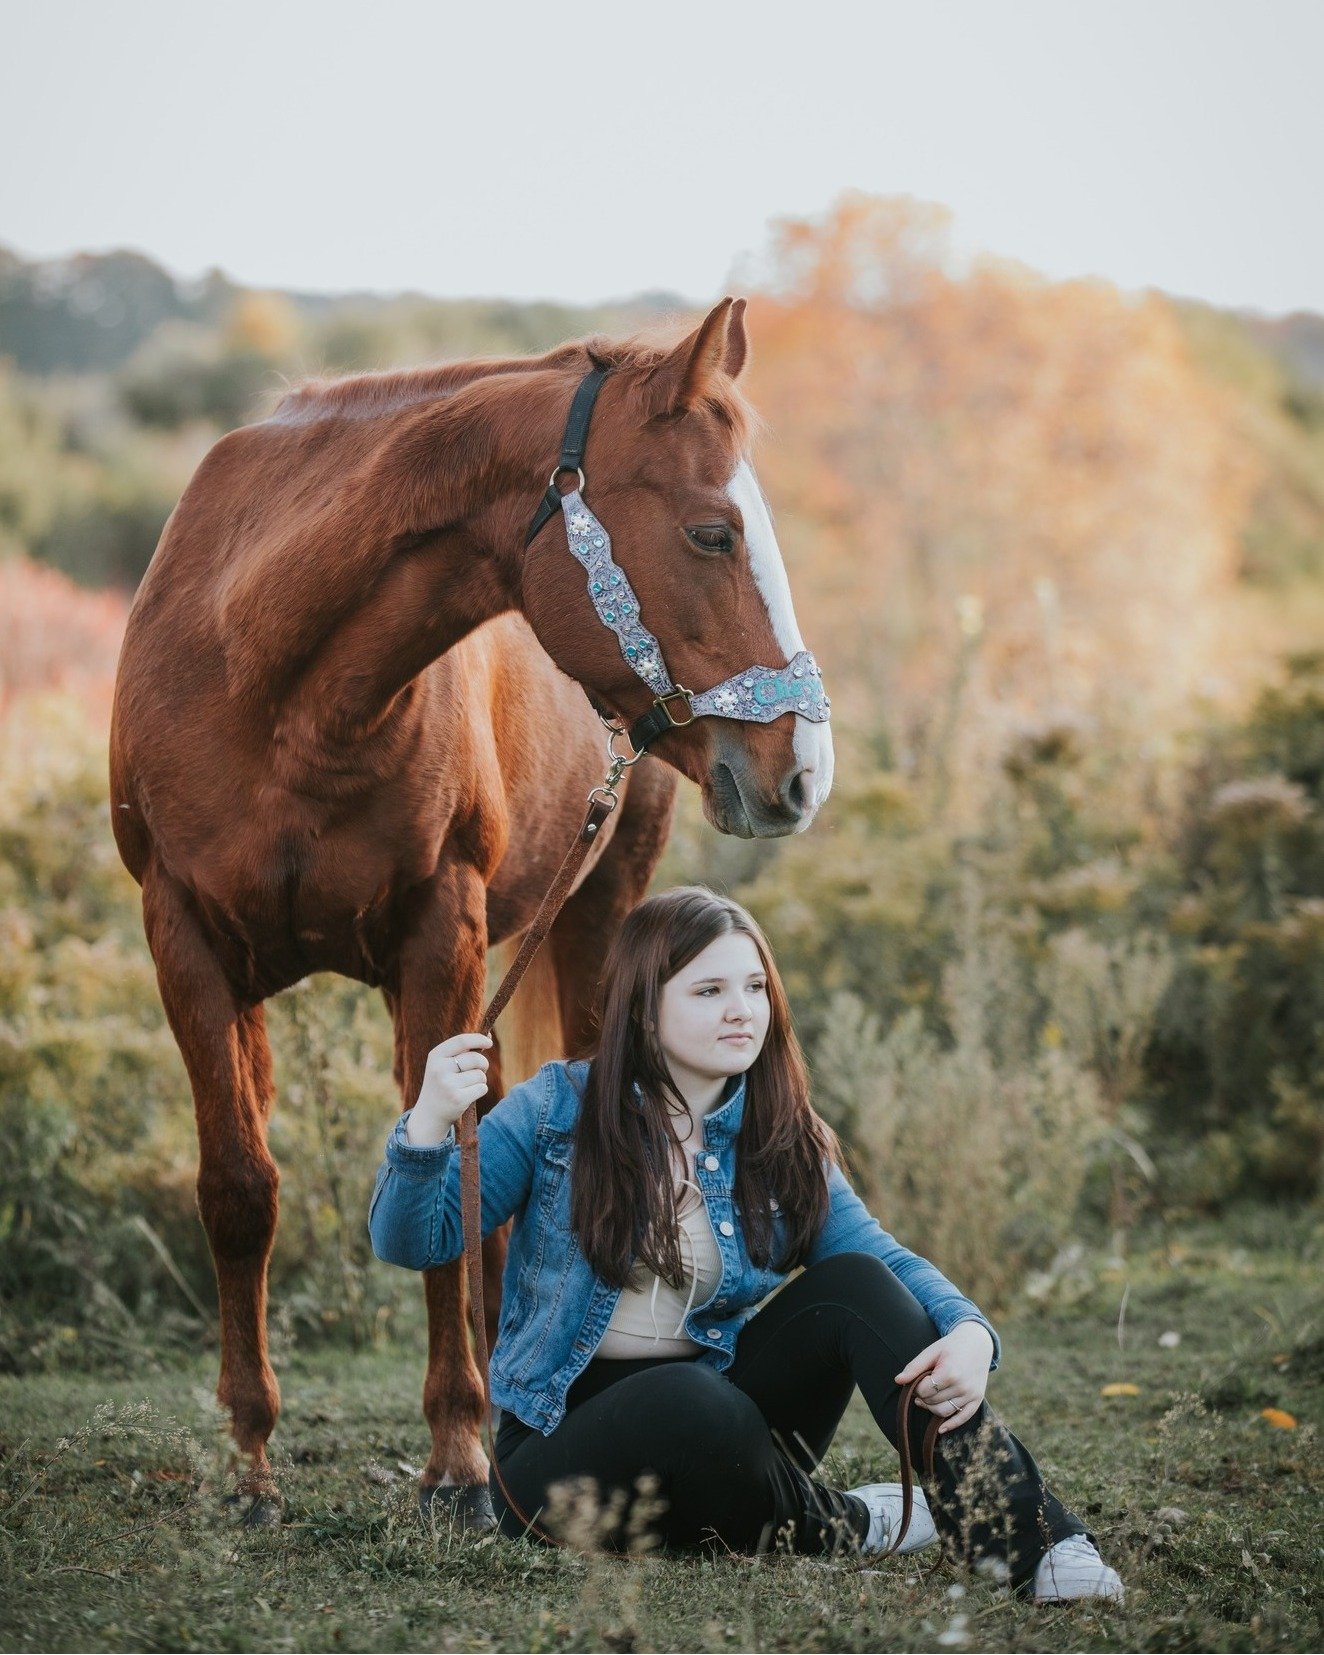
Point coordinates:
[[649, 1320]]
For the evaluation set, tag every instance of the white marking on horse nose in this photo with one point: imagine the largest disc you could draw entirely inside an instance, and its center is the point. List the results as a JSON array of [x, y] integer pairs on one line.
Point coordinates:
[[813, 741], [765, 558], [814, 756]]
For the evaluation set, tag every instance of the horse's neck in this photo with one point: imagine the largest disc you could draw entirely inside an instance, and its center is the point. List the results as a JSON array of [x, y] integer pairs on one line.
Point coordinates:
[[403, 531]]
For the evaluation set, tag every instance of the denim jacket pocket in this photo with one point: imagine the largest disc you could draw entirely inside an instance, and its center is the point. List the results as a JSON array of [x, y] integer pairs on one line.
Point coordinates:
[[550, 1199], [557, 1152], [780, 1240]]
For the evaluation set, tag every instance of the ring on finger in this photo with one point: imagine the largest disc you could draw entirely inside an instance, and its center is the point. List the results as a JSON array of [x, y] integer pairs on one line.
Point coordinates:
[[953, 1404]]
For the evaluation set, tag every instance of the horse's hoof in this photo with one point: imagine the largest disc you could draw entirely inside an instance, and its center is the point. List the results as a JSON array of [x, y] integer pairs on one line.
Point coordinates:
[[254, 1511], [465, 1506]]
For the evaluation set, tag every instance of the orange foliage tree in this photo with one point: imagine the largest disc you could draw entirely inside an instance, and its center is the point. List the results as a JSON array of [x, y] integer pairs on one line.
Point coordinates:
[[1036, 466]]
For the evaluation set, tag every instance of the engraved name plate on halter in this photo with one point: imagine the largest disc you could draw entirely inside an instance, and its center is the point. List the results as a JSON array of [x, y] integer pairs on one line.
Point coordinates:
[[758, 693]]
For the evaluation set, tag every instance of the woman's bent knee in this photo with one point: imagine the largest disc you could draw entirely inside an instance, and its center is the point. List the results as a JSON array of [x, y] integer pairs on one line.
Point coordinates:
[[849, 1264], [864, 1282], [843, 1271]]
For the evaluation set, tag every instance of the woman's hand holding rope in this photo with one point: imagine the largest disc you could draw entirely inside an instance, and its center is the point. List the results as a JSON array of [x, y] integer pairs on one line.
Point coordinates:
[[955, 1370], [455, 1077]]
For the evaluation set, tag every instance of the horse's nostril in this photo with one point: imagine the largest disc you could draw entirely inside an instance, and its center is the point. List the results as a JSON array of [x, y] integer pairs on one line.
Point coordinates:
[[795, 794]]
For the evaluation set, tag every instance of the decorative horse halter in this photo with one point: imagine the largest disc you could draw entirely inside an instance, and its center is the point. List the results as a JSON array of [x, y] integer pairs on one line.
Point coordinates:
[[758, 694]]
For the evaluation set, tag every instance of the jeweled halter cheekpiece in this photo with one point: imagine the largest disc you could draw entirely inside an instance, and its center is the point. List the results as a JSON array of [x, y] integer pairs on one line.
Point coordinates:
[[758, 694]]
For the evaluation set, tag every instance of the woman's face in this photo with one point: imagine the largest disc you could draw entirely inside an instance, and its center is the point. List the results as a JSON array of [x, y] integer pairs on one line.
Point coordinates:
[[713, 1014]]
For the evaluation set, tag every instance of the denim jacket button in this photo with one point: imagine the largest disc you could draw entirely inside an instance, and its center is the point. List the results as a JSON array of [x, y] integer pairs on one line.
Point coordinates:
[[727, 1227], [714, 1333], [711, 1163]]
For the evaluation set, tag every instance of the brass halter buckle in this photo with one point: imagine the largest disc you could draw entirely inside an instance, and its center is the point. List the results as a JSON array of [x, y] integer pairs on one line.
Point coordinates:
[[678, 694]]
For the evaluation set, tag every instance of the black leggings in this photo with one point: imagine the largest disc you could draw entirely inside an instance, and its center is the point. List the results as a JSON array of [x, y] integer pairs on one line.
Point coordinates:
[[732, 1453]]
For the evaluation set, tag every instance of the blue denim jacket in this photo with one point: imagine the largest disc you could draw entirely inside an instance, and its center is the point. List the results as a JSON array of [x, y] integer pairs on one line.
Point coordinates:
[[554, 1309]]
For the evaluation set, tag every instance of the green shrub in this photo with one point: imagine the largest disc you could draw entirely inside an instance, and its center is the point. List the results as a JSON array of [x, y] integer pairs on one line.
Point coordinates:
[[1238, 1059], [974, 1149]]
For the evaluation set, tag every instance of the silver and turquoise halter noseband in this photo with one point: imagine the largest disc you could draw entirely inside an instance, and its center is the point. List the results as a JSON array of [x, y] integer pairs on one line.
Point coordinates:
[[758, 694]]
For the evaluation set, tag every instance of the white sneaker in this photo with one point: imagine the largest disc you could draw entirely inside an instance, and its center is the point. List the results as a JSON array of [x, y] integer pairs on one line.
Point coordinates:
[[1073, 1569], [885, 1502]]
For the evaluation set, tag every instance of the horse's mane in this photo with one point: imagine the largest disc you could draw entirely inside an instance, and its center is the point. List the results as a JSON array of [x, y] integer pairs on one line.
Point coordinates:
[[367, 396]]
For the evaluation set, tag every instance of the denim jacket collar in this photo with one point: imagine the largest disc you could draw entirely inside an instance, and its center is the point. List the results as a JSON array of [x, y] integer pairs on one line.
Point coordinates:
[[721, 1125]]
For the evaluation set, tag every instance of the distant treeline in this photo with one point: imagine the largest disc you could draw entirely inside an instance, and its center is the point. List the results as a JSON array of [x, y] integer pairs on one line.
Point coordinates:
[[90, 312]]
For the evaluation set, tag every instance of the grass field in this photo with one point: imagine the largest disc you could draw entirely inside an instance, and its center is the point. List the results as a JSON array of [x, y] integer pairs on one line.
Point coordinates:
[[112, 1535]]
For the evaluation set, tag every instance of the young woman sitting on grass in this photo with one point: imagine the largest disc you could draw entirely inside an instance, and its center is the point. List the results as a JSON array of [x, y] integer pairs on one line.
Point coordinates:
[[660, 1192]]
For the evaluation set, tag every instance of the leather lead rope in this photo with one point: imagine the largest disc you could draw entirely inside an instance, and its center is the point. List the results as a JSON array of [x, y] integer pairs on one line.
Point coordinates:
[[466, 1133], [903, 1452], [466, 1129]]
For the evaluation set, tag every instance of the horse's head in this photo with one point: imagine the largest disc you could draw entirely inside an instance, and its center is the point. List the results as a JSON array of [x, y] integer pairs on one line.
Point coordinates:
[[670, 479]]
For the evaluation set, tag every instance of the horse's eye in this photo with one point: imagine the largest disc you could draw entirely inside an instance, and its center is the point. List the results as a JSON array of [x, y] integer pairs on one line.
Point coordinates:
[[711, 537]]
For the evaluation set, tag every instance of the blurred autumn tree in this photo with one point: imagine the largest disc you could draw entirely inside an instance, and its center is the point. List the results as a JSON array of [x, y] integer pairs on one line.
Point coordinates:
[[1040, 463], [55, 637]]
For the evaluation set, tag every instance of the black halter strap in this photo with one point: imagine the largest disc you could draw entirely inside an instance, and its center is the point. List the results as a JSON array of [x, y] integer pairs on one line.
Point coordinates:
[[658, 718], [572, 446]]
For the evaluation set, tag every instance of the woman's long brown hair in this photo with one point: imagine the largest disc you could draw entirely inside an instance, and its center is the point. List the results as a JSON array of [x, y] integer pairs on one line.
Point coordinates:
[[623, 1200]]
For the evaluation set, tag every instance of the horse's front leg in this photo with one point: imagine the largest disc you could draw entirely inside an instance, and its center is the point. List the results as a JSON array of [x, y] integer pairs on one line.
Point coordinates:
[[438, 993]]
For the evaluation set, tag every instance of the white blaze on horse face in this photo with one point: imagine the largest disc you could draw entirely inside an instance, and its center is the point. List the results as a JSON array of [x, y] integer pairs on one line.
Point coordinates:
[[813, 742]]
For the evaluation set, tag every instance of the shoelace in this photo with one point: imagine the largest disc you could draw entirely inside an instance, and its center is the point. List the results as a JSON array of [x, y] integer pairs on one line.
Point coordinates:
[[1078, 1544]]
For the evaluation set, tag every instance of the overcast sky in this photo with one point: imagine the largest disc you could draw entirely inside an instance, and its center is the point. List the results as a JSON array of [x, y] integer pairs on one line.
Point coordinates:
[[586, 151]]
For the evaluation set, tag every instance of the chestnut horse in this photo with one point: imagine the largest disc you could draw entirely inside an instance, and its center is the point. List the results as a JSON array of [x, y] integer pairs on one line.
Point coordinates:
[[349, 735]]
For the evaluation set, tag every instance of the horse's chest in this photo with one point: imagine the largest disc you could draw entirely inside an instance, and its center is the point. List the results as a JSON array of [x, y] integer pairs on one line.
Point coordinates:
[[307, 893]]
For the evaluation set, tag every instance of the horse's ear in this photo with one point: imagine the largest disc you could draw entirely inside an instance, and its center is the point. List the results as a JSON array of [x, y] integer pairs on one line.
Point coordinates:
[[737, 341], [684, 374]]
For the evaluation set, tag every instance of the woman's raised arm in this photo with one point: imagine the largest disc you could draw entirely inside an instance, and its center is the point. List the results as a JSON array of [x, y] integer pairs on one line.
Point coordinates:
[[414, 1219]]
